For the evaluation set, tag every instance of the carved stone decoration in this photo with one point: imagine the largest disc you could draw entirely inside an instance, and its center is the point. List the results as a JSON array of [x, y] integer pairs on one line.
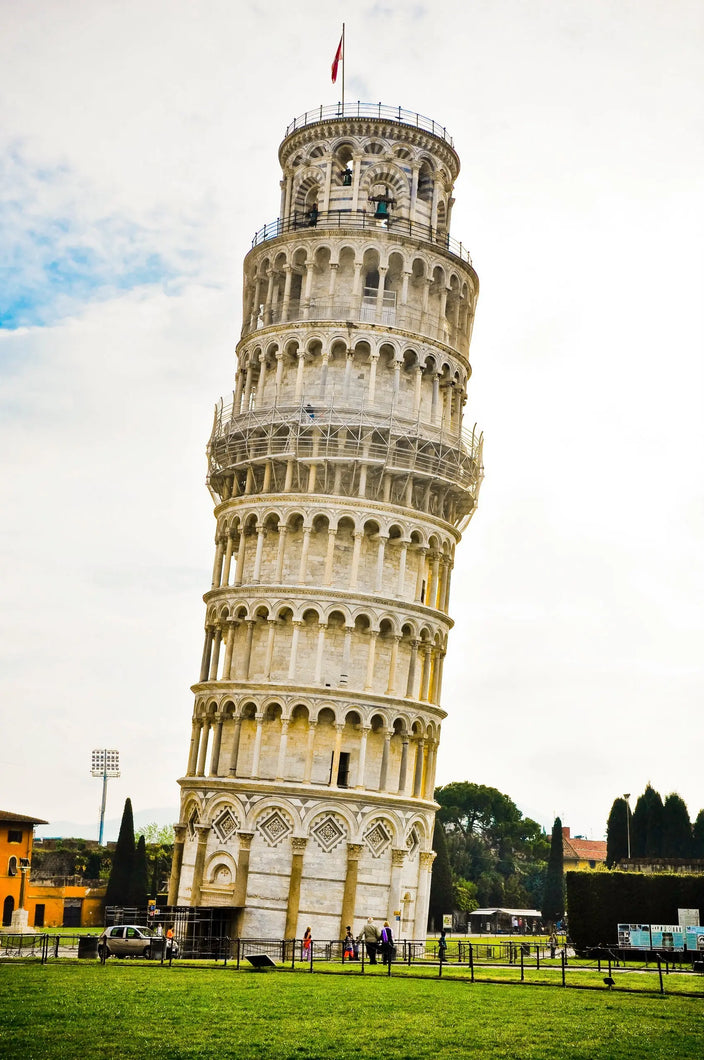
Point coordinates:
[[226, 824], [274, 827], [378, 839], [329, 832]]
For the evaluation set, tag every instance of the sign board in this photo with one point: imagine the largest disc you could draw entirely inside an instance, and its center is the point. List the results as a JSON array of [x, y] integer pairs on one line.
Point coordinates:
[[667, 937], [688, 917], [447, 921], [694, 936], [634, 936]]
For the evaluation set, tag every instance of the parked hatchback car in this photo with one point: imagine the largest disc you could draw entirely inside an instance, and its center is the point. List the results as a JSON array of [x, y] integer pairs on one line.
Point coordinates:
[[129, 940]]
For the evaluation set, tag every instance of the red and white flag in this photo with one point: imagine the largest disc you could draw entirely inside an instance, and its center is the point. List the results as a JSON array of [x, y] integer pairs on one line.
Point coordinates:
[[336, 61]]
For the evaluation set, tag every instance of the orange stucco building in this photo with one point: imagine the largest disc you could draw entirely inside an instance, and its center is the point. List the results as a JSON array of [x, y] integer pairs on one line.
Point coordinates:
[[58, 902]]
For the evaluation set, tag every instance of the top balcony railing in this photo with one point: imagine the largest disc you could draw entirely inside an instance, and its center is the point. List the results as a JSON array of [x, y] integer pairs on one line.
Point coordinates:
[[360, 219], [370, 110]]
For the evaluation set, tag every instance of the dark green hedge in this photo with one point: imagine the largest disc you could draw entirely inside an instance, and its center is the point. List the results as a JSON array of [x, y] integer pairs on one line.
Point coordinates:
[[598, 901]]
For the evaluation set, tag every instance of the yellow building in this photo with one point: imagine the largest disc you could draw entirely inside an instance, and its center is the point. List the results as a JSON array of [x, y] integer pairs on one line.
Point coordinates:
[[61, 901], [580, 854], [16, 838]]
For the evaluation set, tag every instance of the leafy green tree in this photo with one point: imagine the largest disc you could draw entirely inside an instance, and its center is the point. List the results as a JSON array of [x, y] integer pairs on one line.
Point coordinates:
[[441, 888], [676, 828], [553, 904], [94, 865], [160, 848], [464, 895], [646, 825], [156, 834], [491, 844], [140, 876], [617, 833], [119, 889], [698, 836]]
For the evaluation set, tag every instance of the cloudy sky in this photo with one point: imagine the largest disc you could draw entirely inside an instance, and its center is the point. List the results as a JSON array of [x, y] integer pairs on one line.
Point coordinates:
[[138, 155]]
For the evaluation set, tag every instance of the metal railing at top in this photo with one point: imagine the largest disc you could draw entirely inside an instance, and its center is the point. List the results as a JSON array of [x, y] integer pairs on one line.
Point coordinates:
[[408, 443], [362, 219], [370, 110]]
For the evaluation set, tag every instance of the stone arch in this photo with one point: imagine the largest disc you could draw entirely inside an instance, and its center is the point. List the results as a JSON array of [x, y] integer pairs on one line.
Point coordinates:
[[220, 870], [307, 189]]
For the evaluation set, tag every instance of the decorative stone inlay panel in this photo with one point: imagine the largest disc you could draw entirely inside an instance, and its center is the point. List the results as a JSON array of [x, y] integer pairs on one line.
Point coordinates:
[[378, 839], [329, 832], [412, 842], [274, 828], [226, 825], [192, 822]]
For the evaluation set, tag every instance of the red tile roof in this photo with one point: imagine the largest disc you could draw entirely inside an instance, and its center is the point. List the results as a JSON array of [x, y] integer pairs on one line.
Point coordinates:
[[583, 849]]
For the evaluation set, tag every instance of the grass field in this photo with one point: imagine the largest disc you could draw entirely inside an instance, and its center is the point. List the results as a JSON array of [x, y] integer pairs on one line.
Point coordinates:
[[71, 1010]]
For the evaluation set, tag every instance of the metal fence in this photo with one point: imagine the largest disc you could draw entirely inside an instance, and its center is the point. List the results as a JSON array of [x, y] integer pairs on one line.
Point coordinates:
[[357, 109], [361, 219], [490, 962]]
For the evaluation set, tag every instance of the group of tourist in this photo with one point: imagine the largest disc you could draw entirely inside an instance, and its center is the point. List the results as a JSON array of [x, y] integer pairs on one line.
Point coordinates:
[[376, 941]]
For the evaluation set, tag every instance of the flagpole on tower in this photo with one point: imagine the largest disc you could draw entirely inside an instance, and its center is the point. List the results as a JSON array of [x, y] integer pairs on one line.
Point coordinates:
[[340, 58]]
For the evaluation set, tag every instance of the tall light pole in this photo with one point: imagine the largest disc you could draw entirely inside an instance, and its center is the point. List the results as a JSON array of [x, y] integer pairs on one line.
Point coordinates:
[[104, 764], [628, 825]]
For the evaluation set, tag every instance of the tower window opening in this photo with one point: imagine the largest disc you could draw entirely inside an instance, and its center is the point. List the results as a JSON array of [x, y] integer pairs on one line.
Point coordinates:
[[343, 770]]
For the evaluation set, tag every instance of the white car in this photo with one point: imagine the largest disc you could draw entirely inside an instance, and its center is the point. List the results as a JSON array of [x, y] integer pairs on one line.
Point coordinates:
[[128, 940]]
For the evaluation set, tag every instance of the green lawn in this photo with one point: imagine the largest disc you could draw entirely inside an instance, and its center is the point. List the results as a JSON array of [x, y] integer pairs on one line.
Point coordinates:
[[73, 1011]]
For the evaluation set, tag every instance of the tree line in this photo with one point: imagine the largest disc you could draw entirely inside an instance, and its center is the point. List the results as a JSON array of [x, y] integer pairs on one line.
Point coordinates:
[[488, 853], [655, 829]]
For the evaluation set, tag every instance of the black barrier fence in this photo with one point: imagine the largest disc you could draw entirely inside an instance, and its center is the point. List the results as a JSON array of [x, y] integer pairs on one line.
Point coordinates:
[[504, 961]]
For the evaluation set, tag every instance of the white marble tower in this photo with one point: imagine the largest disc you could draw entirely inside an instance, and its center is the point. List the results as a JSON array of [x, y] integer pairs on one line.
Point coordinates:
[[342, 478]]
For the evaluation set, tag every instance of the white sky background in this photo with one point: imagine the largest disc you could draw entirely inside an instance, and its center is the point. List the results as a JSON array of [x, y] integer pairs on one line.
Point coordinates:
[[138, 155]]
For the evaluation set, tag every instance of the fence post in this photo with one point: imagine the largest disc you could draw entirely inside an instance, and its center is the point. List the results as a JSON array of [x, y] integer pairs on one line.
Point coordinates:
[[311, 954], [537, 957], [564, 962], [471, 961], [662, 987], [238, 953], [521, 963]]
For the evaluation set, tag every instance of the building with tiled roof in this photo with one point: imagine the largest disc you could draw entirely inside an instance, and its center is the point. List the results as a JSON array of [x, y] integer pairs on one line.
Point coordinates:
[[580, 853]]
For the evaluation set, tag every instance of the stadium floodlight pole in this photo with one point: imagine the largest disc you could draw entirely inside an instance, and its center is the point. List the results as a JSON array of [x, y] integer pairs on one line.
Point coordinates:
[[104, 763], [628, 825]]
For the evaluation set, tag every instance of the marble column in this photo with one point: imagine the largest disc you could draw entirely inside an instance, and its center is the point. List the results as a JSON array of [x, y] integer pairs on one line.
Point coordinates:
[[202, 833], [298, 844], [176, 863], [349, 897]]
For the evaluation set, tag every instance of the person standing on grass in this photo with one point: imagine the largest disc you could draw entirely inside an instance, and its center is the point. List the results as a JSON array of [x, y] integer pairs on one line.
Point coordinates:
[[307, 942], [348, 947], [371, 937], [387, 944], [442, 946]]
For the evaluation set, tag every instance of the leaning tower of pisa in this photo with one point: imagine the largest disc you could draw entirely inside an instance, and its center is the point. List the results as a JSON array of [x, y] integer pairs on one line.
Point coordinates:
[[342, 476]]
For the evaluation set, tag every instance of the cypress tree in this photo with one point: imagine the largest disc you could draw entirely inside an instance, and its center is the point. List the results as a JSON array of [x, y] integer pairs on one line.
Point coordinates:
[[646, 825], [140, 876], [617, 833], [676, 828], [698, 836], [553, 906], [441, 890], [119, 889]]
